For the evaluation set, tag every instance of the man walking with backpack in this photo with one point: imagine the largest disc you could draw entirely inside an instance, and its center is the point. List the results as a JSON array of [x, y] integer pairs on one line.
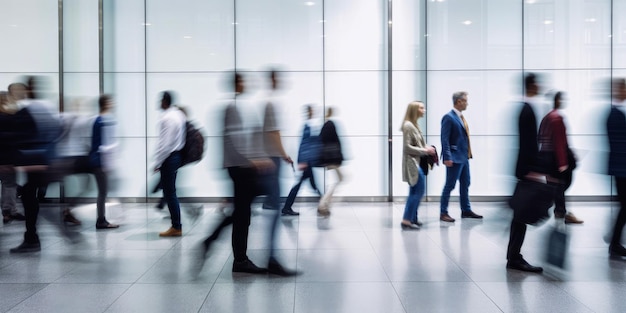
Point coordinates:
[[168, 158]]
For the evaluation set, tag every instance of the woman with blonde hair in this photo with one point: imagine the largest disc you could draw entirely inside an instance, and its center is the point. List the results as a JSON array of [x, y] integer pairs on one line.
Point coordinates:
[[413, 148]]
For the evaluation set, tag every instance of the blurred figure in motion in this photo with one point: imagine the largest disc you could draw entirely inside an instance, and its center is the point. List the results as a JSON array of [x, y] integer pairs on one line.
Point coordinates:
[[102, 155], [616, 130], [413, 148], [274, 146], [556, 158], [331, 158], [7, 174], [35, 89], [526, 168], [33, 129], [168, 158], [245, 160], [308, 155]]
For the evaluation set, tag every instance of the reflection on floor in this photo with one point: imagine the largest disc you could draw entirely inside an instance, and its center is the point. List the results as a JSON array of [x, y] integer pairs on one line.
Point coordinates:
[[358, 260]]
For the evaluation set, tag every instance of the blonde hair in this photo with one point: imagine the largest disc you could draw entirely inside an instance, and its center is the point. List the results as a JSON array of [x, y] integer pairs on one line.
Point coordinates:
[[412, 113]]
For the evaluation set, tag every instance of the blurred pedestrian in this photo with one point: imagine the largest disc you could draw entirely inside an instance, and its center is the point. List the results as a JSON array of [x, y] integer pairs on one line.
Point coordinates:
[[331, 158], [616, 130], [168, 158]]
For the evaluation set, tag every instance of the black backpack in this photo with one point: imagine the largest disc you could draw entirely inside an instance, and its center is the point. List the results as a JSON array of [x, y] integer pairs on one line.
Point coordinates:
[[194, 145]]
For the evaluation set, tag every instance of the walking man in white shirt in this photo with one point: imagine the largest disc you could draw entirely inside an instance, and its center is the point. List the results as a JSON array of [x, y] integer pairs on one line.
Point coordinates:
[[168, 158]]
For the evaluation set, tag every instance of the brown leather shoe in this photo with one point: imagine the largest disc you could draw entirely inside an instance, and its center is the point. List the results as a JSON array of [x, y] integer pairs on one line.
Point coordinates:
[[172, 232], [572, 219], [446, 218], [68, 217]]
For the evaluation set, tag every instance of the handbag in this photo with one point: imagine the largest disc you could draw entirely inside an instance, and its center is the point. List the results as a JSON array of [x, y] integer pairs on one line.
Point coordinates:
[[531, 200], [428, 161]]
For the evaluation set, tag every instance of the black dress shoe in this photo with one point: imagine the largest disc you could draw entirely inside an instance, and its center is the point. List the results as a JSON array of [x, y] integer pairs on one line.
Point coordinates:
[[106, 225], [417, 222], [247, 267], [18, 217], [617, 251], [289, 212], [522, 265], [27, 247], [273, 267], [470, 214]]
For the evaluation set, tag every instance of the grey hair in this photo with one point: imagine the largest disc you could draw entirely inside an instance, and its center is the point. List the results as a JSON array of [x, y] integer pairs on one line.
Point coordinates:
[[458, 95]]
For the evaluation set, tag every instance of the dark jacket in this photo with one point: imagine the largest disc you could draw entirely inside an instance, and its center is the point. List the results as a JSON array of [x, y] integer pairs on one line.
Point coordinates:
[[528, 145], [331, 146], [616, 130]]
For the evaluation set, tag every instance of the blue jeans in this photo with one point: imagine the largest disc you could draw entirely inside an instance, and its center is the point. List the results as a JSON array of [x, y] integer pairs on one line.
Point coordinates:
[[271, 186], [416, 193], [168, 170], [460, 172]]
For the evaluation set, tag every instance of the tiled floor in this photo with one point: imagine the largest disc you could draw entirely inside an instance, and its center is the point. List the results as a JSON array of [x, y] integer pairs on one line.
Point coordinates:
[[358, 260]]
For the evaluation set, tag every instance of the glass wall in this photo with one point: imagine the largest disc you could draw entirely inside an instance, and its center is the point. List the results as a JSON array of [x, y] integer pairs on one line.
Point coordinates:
[[365, 58]]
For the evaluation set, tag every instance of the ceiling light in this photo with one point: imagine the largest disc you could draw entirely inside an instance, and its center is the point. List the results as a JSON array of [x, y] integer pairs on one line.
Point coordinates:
[[309, 3], [468, 22], [548, 22]]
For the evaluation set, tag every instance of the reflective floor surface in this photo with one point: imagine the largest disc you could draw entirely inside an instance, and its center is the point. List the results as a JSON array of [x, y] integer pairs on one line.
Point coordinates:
[[358, 260]]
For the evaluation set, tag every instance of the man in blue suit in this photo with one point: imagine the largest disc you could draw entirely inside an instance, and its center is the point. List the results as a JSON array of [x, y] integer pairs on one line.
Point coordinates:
[[616, 130], [456, 152]]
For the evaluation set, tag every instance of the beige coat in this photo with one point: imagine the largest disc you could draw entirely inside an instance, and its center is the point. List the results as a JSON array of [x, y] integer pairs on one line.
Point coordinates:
[[413, 147]]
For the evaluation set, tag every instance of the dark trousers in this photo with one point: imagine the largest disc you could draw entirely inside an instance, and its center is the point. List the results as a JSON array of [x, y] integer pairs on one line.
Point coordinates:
[[565, 180], [80, 165], [31, 203], [516, 239], [620, 183], [271, 186], [307, 173], [245, 190], [168, 170]]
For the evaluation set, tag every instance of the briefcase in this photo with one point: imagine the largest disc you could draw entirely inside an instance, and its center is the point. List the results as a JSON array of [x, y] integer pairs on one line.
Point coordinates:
[[531, 200], [556, 250]]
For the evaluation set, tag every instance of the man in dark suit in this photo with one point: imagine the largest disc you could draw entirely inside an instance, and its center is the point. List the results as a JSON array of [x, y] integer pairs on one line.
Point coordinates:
[[616, 130], [456, 152], [525, 168]]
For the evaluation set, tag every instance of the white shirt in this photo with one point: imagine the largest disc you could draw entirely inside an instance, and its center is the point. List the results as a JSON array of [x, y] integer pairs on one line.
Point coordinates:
[[76, 139], [171, 134]]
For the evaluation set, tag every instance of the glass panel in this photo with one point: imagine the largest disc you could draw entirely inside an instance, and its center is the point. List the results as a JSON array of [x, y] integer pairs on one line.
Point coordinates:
[[129, 178], [355, 34], [33, 26], [492, 98], [619, 34], [474, 34], [408, 40], [124, 35], [365, 168], [359, 99], [189, 35], [81, 85], [80, 36], [279, 32], [567, 34], [128, 91]]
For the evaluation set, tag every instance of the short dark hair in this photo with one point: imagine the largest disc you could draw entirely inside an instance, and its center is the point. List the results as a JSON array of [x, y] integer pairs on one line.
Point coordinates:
[[530, 80], [557, 97], [167, 97], [103, 100]]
